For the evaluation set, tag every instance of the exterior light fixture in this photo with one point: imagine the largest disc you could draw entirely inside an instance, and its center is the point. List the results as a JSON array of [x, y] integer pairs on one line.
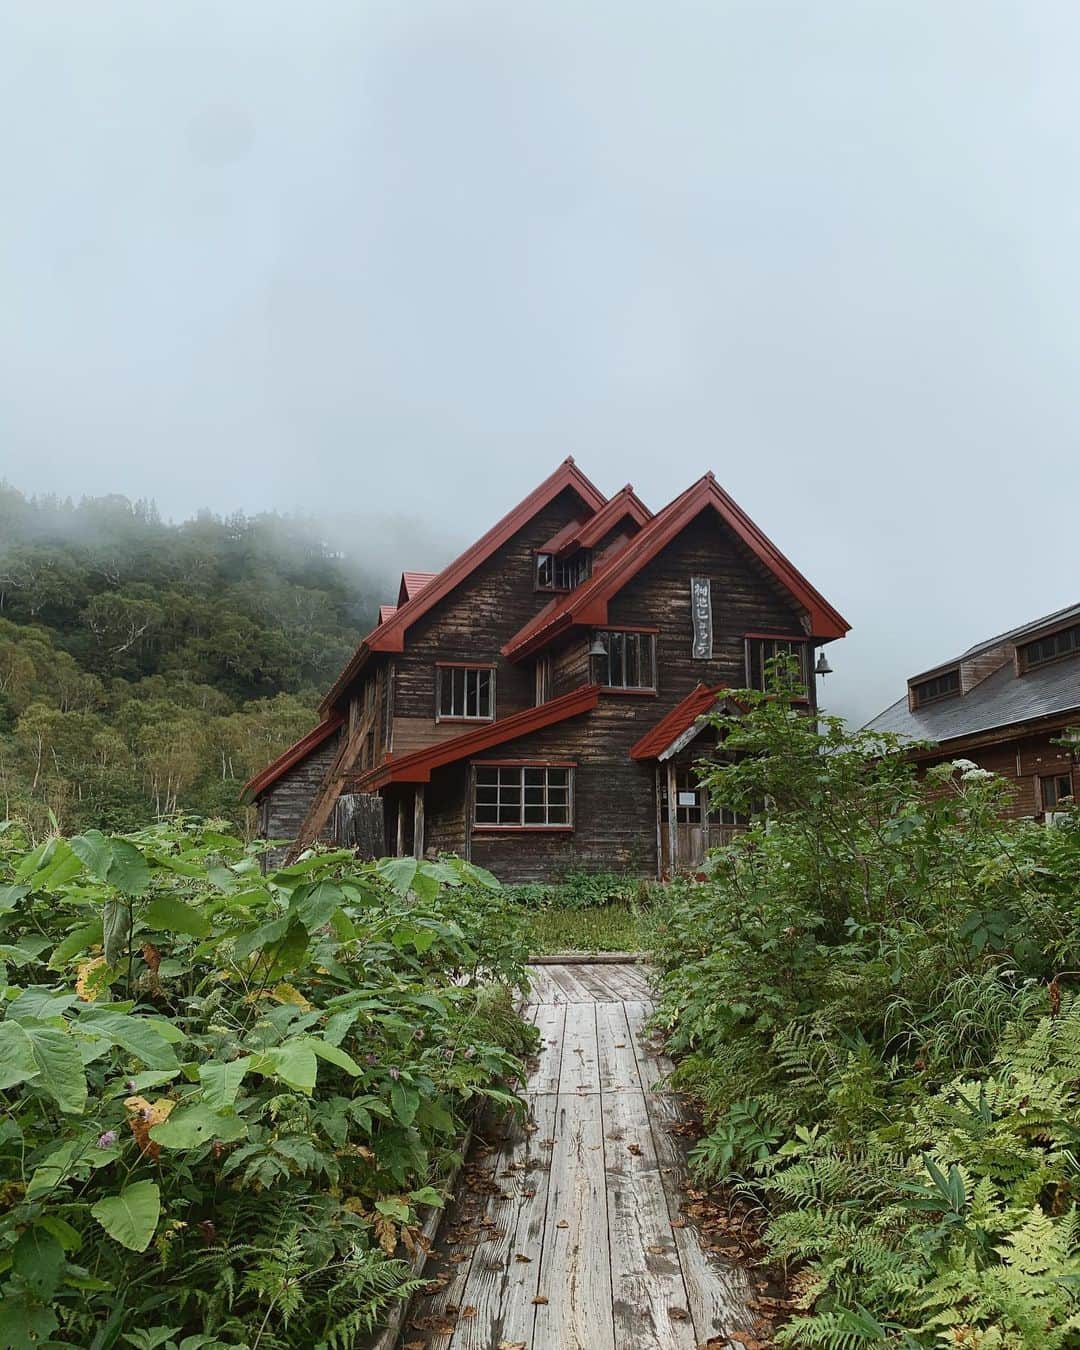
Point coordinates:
[[822, 667], [597, 649]]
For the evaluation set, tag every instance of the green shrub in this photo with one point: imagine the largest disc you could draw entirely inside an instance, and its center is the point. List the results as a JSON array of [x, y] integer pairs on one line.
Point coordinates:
[[227, 1093], [873, 997]]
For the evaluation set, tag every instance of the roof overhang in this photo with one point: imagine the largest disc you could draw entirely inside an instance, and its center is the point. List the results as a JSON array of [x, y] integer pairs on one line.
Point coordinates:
[[684, 723], [417, 767], [299, 750]]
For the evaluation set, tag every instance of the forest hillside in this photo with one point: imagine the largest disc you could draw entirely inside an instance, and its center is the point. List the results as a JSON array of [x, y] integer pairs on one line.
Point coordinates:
[[148, 667]]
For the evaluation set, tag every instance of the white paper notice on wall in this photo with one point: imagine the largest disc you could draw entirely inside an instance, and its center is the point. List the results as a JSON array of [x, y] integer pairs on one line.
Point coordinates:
[[688, 799], [701, 614]]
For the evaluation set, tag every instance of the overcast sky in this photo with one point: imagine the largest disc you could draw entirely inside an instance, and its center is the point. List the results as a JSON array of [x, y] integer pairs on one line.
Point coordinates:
[[404, 257]]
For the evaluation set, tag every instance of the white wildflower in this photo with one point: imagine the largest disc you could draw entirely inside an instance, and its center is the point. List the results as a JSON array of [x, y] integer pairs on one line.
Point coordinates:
[[963, 765], [975, 775]]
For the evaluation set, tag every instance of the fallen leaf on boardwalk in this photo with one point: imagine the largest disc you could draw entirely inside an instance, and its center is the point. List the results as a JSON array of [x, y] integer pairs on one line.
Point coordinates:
[[678, 1223], [562, 1224], [620, 1045], [520, 1256], [540, 1301], [678, 1314], [511, 1345], [635, 1149], [656, 1248], [470, 1311]]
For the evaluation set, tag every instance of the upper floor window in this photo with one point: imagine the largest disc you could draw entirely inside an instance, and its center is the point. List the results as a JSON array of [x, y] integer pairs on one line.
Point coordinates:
[[562, 574], [465, 692], [761, 650], [938, 686], [523, 796], [1045, 649], [624, 660]]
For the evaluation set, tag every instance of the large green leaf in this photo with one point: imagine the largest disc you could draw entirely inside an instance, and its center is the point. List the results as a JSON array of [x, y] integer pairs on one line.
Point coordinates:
[[95, 851], [316, 907], [137, 1035], [76, 941], [131, 1217], [60, 1068], [129, 871], [39, 1259], [190, 1126], [17, 1063], [294, 1063], [174, 916], [221, 1082], [24, 1323], [334, 1055], [398, 873], [116, 923]]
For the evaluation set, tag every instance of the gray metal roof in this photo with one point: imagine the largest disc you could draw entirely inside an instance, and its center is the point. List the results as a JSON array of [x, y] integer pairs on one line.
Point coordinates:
[[1000, 700], [1015, 634]]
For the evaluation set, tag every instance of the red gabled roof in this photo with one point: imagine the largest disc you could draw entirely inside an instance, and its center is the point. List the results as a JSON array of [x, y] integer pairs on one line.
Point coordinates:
[[386, 612], [587, 604], [625, 504], [390, 636], [293, 755], [412, 583], [417, 766], [700, 700]]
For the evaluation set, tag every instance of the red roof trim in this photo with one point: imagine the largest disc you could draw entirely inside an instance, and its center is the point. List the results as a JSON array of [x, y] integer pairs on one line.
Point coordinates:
[[386, 612], [293, 755], [625, 503], [390, 637], [563, 538], [417, 766], [700, 700], [587, 605]]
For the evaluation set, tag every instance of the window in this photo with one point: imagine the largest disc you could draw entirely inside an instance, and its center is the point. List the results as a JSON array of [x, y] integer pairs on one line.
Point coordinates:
[[543, 679], [628, 660], [1050, 648], [1055, 786], [522, 797], [940, 686], [562, 574], [760, 651], [689, 812], [465, 692]]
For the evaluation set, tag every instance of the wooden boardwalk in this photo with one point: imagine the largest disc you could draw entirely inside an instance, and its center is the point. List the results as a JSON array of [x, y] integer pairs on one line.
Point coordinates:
[[568, 1236]]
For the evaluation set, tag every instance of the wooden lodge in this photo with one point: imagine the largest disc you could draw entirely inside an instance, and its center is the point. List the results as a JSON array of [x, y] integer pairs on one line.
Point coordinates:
[[1004, 704], [538, 705]]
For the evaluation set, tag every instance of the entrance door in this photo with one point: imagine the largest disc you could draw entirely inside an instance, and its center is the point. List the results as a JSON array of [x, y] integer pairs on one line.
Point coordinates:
[[697, 829]]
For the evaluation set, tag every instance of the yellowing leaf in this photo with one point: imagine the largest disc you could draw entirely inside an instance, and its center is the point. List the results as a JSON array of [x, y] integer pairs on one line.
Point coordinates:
[[90, 978], [287, 993]]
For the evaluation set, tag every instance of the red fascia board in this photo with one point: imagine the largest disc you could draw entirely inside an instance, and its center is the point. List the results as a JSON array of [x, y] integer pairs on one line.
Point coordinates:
[[417, 766], [386, 612], [587, 605], [672, 725], [562, 538], [625, 504], [390, 636], [293, 755]]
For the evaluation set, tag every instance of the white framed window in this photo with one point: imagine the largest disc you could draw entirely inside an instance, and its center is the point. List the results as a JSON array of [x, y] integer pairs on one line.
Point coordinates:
[[628, 660], [523, 796], [464, 693], [562, 574]]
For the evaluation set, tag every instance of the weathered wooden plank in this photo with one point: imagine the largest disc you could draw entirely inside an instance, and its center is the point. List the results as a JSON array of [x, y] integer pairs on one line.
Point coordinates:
[[543, 987], [544, 1078], [506, 1268], [567, 979], [615, 1050], [580, 1071], [575, 1273], [717, 1292], [622, 983], [648, 1291]]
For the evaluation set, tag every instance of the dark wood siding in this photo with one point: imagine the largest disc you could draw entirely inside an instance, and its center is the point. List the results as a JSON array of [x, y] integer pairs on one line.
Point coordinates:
[[284, 805], [1021, 762]]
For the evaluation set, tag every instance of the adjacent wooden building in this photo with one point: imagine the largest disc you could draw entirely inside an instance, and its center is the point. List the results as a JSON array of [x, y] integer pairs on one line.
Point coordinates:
[[539, 704], [1004, 704]]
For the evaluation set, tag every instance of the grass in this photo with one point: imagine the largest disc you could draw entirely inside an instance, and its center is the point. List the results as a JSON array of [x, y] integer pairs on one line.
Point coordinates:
[[603, 928]]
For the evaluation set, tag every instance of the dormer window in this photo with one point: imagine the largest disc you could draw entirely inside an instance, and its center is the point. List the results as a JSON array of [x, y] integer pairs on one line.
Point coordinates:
[[562, 574], [938, 686], [1052, 648]]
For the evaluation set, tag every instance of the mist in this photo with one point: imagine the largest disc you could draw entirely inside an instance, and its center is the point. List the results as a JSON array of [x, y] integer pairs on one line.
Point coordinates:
[[389, 264]]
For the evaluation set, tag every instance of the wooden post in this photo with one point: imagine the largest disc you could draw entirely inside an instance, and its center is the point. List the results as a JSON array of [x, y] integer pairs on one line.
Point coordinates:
[[659, 827], [399, 851], [418, 822], [672, 820]]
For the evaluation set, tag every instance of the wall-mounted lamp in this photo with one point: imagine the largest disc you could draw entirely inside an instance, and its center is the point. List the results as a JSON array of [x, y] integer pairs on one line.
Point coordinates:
[[822, 667]]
